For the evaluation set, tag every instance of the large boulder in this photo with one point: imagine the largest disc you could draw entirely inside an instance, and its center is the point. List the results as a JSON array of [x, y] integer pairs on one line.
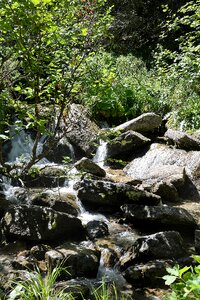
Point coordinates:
[[79, 260], [45, 176], [125, 144], [145, 123], [87, 165], [59, 200], [61, 150], [162, 216], [164, 158], [110, 196], [37, 223], [148, 274], [80, 130], [161, 245], [182, 140]]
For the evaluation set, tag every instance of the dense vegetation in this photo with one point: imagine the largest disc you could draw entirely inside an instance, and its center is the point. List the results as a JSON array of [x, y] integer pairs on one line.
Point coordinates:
[[56, 53]]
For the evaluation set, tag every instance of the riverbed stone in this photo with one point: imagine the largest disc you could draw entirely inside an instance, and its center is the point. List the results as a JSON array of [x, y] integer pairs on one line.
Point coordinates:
[[182, 140], [87, 165], [167, 161], [96, 229], [79, 260], [147, 122], [148, 274], [60, 200], [160, 245], [78, 288], [110, 195], [125, 143], [40, 224], [48, 176], [80, 130], [159, 216]]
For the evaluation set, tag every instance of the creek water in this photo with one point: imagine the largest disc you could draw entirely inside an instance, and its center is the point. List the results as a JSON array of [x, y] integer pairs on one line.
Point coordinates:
[[101, 153], [21, 146]]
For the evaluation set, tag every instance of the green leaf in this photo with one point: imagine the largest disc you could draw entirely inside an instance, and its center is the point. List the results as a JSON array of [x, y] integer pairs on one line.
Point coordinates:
[[173, 271], [183, 270], [4, 137], [169, 279], [84, 31], [197, 258], [35, 2]]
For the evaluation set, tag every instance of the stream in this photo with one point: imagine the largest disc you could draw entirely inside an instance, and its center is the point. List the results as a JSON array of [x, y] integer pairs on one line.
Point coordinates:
[[119, 235]]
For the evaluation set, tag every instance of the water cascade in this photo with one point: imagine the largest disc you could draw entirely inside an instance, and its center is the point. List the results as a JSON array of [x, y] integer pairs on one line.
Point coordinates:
[[101, 153]]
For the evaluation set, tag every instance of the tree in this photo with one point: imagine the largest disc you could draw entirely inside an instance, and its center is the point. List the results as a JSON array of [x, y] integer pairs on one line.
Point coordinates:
[[181, 67], [137, 25], [44, 47]]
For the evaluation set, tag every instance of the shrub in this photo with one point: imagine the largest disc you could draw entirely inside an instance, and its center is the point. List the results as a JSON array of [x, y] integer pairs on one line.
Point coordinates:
[[120, 88], [184, 282]]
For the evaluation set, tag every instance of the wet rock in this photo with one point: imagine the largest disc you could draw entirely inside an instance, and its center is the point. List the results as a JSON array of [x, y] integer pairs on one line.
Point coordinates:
[[62, 149], [148, 274], [183, 140], [78, 260], [197, 241], [87, 165], [161, 245], [77, 288], [145, 123], [48, 176], [40, 224], [23, 263], [110, 196], [163, 216], [167, 191], [96, 229], [80, 130], [38, 251], [60, 200], [125, 143]]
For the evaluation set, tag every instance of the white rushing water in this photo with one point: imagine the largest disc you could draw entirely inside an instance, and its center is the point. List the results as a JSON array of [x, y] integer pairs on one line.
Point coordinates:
[[101, 153]]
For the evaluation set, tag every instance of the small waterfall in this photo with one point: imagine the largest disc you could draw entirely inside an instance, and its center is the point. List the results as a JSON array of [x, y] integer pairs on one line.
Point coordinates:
[[109, 274], [101, 153], [21, 147]]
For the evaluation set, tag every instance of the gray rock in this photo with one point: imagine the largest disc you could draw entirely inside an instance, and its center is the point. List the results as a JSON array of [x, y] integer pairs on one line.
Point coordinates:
[[161, 245], [167, 160], [38, 251], [76, 288], [60, 200], [40, 224], [169, 217], [145, 123], [183, 140], [78, 259], [167, 191], [80, 130], [48, 176], [96, 229], [125, 144], [87, 165], [148, 274], [110, 196], [62, 149], [197, 241]]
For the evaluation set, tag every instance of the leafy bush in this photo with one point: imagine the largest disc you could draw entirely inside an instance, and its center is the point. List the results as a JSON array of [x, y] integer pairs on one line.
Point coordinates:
[[184, 282], [180, 68], [120, 88]]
